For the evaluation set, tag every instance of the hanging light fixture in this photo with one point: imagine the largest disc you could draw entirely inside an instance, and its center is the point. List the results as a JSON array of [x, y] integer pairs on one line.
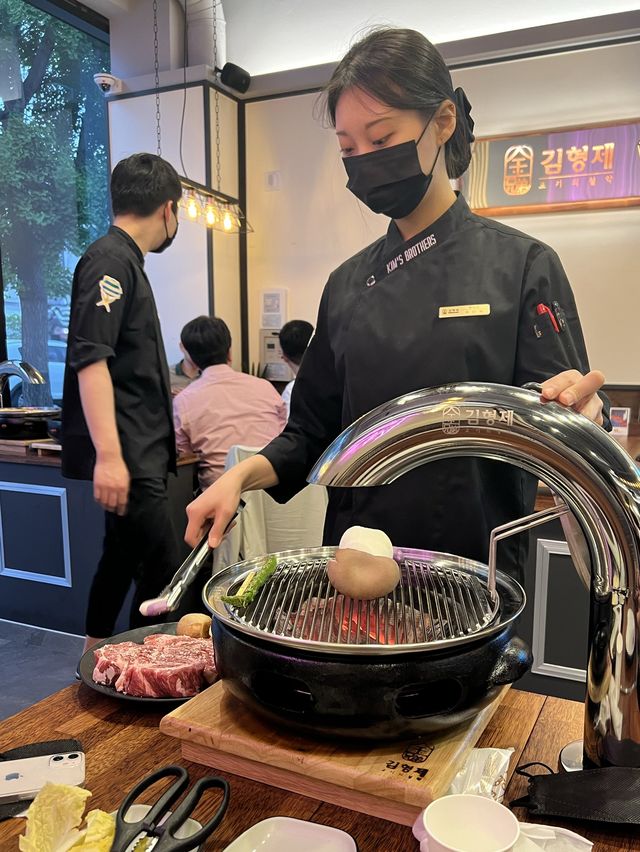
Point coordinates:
[[212, 207]]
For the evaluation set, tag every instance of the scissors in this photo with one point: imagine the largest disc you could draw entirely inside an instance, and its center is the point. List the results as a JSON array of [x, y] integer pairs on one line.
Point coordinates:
[[159, 828]]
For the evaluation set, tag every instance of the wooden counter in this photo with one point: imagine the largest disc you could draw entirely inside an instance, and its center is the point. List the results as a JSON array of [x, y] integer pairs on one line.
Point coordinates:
[[123, 743]]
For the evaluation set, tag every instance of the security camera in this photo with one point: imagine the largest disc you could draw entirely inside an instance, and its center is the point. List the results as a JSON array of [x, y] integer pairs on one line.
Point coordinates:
[[108, 84]]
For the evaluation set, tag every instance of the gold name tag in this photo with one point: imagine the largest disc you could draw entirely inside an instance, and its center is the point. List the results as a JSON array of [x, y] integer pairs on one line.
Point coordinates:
[[464, 311]]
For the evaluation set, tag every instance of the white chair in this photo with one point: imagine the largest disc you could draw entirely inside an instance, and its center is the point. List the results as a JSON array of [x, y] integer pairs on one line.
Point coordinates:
[[265, 526]]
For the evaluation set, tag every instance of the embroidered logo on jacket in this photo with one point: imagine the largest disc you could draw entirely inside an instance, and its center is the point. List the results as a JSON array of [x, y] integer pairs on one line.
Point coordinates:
[[110, 291]]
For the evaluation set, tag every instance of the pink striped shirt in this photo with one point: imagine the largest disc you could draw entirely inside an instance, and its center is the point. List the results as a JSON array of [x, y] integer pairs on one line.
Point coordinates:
[[222, 408]]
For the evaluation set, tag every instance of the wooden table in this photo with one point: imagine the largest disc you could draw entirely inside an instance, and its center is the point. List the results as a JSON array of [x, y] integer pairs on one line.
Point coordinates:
[[123, 743]]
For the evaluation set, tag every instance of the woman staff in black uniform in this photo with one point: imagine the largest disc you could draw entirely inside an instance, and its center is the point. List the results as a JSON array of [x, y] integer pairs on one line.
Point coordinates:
[[446, 296]]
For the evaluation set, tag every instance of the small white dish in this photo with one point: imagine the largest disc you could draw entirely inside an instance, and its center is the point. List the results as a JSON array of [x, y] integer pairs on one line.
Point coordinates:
[[279, 833], [136, 813]]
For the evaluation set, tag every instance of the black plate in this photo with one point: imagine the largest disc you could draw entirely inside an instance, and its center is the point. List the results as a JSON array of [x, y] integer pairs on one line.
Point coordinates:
[[87, 665]]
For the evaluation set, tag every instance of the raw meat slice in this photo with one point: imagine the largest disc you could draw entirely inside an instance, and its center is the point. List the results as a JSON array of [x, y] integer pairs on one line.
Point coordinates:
[[154, 680], [163, 666], [111, 659]]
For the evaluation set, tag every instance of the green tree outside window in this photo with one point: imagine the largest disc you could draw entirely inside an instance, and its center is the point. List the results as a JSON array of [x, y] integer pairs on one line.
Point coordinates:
[[53, 176]]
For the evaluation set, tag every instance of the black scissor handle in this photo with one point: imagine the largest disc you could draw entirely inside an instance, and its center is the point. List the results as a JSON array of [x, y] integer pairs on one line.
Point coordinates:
[[126, 830], [168, 841]]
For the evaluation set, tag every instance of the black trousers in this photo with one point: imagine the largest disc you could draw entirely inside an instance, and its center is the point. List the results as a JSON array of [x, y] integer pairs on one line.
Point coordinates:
[[140, 547]]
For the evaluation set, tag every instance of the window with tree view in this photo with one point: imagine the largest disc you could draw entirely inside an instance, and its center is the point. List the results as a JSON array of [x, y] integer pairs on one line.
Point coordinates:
[[53, 181]]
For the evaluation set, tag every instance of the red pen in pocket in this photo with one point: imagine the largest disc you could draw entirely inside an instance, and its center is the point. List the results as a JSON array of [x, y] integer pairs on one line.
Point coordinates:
[[545, 309]]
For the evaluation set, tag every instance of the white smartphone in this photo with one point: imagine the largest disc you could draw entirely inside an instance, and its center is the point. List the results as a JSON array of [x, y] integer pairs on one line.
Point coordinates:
[[22, 779]]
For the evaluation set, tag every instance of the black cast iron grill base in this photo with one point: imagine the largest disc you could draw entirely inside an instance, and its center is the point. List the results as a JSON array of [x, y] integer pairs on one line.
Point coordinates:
[[368, 697]]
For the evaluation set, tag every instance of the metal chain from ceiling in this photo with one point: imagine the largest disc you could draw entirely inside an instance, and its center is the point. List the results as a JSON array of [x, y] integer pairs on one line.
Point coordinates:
[[156, 66]]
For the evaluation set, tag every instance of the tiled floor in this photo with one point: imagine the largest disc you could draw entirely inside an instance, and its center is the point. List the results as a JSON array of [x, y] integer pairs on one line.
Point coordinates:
[[33, 664]]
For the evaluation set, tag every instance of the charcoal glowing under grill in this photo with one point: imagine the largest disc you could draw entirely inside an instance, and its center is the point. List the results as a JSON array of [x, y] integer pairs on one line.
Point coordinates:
[[433, 602]]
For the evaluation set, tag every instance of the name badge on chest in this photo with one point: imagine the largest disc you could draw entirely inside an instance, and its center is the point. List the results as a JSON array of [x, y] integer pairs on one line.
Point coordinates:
[[449, 311]]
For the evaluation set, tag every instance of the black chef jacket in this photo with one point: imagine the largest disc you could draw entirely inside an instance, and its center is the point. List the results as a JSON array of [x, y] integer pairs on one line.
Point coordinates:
[[114, 317], [379, 335]]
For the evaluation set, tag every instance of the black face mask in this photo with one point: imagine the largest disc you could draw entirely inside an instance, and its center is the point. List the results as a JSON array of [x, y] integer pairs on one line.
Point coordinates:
[[168, 240], [390, 181]]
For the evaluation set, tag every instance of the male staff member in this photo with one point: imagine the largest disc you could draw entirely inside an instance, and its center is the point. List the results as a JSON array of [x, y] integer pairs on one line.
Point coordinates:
[[294, 338], [117, 416]]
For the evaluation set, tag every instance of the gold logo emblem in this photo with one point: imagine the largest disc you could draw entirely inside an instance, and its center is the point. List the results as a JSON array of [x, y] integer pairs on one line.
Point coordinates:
[[518, 170]]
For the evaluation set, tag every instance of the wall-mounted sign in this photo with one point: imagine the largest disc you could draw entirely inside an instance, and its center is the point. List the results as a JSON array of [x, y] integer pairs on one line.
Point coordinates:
[[620, 418], [274, 309], [556, 170]]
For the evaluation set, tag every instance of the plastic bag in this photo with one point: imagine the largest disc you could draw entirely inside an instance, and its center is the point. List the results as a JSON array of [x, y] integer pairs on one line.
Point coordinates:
[[551, 839], [484, 774]]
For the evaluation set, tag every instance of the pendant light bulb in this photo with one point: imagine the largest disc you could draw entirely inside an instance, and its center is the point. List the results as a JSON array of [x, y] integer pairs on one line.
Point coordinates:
[[192, 208], [212, 209]]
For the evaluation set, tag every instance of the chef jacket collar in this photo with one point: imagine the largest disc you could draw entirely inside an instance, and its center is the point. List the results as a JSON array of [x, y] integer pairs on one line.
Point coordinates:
[[118, 232], [446, 225]]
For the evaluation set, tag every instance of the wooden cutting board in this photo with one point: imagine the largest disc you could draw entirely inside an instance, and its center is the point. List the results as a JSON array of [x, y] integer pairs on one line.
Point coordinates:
[[394, 781]]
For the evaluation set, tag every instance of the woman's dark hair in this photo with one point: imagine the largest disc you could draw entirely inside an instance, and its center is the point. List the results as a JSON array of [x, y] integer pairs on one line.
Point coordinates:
[[141, 183], [402, 69], [294, 338], [207, 341]]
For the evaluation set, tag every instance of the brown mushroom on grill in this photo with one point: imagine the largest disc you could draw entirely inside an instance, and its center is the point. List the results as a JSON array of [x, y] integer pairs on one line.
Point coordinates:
[[362, 567], [361, 575]]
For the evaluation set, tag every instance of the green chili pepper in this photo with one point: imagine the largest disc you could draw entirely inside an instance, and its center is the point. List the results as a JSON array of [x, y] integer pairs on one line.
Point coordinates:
[[263, 575]]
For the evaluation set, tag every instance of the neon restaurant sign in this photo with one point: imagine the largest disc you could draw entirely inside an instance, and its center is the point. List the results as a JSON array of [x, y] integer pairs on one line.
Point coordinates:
[[573, 169]]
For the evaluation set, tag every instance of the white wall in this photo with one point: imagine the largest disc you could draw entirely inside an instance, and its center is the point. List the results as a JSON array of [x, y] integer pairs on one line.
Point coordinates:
[[228, 113], [226, 255], [131, 37], [313, 223], [179, 277], [309, 226]]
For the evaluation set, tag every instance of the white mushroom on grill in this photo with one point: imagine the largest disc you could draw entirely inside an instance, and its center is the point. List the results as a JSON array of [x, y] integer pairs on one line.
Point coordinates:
[[362, 567]]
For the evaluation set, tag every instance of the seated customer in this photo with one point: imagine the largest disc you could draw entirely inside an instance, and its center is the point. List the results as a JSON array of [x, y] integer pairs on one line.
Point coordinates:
[[294, 339], [182, 374], [224, 407]]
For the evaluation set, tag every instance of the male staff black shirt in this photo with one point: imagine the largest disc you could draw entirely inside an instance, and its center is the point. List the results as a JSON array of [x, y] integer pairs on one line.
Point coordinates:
[[114, 317]]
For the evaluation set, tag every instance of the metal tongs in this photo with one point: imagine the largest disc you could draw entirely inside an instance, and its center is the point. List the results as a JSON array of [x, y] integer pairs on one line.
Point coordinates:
[[158, 828], [170, 597]]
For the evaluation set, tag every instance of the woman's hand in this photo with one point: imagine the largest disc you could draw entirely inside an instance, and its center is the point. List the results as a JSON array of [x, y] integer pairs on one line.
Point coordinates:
[[220, 501], [576, 391], [218, 504]]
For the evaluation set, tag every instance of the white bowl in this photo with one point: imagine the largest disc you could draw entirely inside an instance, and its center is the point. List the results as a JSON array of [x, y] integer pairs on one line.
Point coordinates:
[[467, 823], [281, 833]]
